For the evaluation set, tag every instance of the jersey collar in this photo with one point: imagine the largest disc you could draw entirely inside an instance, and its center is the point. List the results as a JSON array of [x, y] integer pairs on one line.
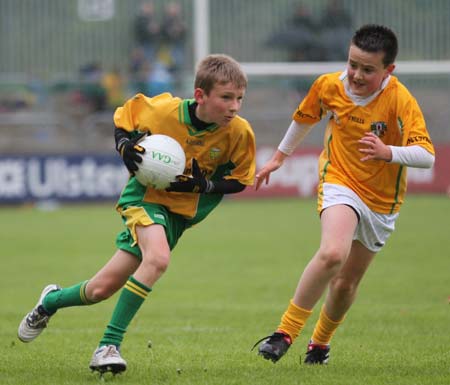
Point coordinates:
[[184, 116], [358, 100]]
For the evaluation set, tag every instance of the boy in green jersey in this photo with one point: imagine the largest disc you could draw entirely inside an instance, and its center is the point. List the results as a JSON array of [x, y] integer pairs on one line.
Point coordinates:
[[220, 159]]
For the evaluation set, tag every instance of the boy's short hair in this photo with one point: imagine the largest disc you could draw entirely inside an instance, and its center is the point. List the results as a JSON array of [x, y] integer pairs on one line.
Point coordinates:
[[219, 69], [376, 38]]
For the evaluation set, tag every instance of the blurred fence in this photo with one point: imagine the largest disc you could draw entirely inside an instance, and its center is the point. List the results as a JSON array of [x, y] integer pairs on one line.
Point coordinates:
[[53, 38], [47, 105]]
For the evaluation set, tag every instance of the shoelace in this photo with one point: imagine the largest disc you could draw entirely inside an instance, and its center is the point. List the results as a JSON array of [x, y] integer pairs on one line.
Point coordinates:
[[275, 336], [111, 351], [36, 318]]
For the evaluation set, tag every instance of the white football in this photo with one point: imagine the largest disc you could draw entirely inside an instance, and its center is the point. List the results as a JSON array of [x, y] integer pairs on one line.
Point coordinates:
[[163, 160]]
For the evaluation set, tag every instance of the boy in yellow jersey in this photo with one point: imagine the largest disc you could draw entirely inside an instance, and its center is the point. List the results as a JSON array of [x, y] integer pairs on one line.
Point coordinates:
[[220, 159], [374, 132]]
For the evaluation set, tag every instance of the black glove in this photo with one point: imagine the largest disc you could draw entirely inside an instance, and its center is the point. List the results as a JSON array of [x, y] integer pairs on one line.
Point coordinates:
[[196, 183], [130, 151]]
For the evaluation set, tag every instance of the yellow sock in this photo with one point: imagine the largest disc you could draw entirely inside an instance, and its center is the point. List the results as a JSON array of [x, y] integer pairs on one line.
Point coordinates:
[[293, 320], [325, 328]]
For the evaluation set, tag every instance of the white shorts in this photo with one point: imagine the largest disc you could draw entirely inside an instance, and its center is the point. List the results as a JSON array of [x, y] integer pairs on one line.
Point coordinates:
[[373, 228]]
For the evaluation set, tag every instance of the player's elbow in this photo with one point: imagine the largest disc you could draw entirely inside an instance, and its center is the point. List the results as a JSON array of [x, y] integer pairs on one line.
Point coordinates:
[[428, 161], [432, 159]]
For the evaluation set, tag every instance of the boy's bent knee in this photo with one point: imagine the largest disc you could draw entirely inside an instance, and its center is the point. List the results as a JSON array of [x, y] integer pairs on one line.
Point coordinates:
[[159, 262], [332, 257]]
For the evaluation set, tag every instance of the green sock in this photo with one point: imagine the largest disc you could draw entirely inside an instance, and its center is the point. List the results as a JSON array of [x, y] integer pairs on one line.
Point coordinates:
[[70, 296], [130, 300]]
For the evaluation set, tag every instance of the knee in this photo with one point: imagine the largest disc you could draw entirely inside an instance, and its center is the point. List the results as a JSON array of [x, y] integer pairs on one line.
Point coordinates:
[[332, 257], [157, 262], [343, 287], [101, 292]]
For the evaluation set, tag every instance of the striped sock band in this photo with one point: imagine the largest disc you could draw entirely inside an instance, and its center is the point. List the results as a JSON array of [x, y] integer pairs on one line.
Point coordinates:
[[130, 300]]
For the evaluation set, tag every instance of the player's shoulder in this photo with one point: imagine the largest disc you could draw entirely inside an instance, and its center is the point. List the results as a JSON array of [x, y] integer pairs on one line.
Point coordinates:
[[330, 78], [241, 124], [333, 76], [396, 85], [163, 99], [325, 81], [397, 90]]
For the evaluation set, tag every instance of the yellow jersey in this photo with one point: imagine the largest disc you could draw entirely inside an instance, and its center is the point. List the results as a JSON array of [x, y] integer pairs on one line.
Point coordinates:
[[225, 152], [394, 116]]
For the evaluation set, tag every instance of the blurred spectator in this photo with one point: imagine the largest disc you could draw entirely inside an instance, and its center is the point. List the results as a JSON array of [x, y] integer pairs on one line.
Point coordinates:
[[147, 30], [173, 36], [308, 40], [137, 60], [114, 86], [336, 16], [336, 22], [152, 79], [91, 92], [138, 68], [300, 37], [38, 89], [307, 30], [159, 80], [158, 57], [16, 97]]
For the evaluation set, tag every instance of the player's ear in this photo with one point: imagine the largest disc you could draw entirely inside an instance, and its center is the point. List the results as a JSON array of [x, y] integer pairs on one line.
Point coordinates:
[[390, 68], [199, 95]]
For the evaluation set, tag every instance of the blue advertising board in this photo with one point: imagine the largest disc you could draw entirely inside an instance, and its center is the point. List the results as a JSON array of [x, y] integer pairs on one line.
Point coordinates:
[[61, 177]]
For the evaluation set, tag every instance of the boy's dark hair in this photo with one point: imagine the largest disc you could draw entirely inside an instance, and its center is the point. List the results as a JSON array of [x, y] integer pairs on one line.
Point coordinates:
[[376, 38], [219, 69]]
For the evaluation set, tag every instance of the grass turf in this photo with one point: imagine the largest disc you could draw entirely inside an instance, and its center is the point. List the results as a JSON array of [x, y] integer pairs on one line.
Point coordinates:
[[229, 281]]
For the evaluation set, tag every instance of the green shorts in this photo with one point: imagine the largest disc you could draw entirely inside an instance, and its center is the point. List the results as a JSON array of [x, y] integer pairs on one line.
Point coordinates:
[[146, 214]]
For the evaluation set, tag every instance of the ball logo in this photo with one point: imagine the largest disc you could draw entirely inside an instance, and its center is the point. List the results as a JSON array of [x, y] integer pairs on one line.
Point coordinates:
[[165, 158]]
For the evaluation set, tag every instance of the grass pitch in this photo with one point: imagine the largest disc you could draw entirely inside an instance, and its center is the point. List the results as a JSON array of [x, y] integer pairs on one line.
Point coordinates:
[[229, 281]]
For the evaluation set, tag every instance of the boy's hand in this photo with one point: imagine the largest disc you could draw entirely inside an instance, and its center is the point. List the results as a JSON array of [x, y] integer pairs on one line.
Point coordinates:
[[196, 183], [130, 151], [272, 165], [374, 148]]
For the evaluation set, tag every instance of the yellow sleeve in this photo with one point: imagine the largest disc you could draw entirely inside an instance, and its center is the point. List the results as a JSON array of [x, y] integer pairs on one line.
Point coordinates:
[[412, 122], [139, 112], [310, 110]]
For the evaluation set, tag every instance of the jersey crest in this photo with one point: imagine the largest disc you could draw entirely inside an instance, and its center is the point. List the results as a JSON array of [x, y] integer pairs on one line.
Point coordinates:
[[214, 153], [378, 128]]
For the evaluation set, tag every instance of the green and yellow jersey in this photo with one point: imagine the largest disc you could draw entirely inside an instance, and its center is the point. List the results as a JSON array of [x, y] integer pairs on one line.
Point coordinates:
[[394, 116], [226, 152]]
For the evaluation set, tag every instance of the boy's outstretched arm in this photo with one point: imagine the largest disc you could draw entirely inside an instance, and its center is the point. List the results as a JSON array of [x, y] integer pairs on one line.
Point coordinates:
[[293, 137], [272, 165]]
